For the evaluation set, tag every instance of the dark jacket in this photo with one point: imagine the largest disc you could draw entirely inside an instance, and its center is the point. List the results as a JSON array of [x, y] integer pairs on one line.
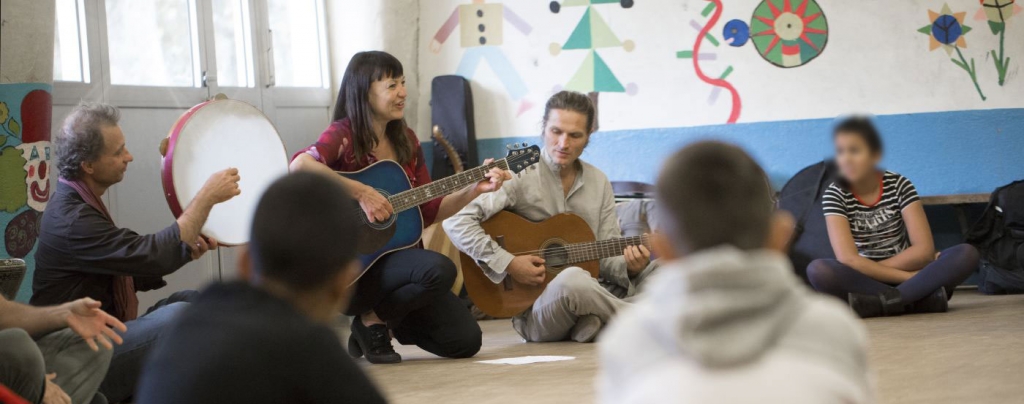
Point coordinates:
[[239, 344], [80, 252]]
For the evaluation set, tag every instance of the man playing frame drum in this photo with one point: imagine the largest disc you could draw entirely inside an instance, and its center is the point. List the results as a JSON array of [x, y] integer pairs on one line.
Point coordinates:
[[82, 253]]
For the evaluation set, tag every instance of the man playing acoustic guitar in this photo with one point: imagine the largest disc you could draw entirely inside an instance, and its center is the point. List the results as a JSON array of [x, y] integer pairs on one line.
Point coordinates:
[[574, 305]]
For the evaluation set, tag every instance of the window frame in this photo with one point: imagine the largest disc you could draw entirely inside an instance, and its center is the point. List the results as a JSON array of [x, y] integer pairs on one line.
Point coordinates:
[[297, 97], [264, 94], [72, 92]]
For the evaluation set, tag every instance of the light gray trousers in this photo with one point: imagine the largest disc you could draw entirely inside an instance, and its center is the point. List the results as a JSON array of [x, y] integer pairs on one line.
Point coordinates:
[[24, 364], [572, 294]]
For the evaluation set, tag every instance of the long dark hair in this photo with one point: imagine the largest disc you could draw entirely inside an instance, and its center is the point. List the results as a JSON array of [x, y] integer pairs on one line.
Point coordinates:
[[354, 103]]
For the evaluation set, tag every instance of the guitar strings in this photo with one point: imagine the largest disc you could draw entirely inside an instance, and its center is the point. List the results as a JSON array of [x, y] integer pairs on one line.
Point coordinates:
[[409, 198], [401, 201], [590, 247]]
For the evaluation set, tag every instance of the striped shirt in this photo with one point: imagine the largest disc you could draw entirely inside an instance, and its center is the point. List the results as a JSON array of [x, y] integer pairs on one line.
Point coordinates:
[[878, 228]]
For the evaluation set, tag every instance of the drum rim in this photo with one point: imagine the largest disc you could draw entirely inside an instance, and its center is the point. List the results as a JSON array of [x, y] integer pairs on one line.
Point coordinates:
[[167, 162]]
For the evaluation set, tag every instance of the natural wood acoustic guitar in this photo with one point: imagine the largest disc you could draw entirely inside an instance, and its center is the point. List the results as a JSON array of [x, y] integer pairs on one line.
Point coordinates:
[[563, 240]]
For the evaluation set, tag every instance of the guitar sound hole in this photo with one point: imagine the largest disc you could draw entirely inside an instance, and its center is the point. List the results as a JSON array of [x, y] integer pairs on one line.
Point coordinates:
[[555, 256]]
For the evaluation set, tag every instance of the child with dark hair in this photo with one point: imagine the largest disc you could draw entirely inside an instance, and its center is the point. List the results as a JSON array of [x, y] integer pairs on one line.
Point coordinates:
[[885, 259], [726, 319], [266, 339]]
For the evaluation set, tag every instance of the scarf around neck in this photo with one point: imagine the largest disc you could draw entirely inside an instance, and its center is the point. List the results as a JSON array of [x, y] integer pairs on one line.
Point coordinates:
[[126, 303]]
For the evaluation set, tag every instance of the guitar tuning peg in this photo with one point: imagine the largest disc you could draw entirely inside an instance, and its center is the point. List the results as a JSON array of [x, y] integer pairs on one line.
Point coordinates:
[[524, 144], [508, 146]]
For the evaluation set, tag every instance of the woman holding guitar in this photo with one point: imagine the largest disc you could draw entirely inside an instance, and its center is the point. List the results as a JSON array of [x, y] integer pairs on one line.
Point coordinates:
[[404, 294]]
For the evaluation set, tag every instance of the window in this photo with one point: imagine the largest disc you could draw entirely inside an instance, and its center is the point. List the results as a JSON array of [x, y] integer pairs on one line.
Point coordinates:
[[70, 53], [233, 43], [153, 43], [299, 45]]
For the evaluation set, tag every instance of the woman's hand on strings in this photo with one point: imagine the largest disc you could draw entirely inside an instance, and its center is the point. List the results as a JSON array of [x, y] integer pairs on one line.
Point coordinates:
[[375, 205], [494, 178]]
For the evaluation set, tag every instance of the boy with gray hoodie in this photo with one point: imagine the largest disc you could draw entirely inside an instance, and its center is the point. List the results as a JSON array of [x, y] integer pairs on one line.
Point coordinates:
[[725, 319]]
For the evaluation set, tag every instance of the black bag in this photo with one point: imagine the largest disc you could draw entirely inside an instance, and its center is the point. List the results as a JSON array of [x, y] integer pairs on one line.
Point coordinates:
[[801, 196], [999, 236], [451, 110]]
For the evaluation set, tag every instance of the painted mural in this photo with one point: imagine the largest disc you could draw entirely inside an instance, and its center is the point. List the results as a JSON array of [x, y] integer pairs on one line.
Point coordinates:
[[997, 14], [591, 33], [786, 33], [737, 34], [481, 30], [947, 31], [25, 168], [714, 62]]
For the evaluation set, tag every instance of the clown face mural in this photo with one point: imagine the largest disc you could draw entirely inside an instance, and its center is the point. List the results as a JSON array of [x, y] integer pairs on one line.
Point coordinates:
[[35, 147], [37, 173]]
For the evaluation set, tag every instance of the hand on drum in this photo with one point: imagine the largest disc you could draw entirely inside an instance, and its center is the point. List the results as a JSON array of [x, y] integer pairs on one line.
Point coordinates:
[[495, 177], [222, 186], [201, 246], [375, 205]]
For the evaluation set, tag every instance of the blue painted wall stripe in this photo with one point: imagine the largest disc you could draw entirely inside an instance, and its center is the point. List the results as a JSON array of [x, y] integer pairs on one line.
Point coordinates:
[[941, 152]]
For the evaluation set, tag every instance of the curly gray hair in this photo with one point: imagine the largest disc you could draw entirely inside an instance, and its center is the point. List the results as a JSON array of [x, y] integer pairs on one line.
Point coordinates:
[[80, 138]]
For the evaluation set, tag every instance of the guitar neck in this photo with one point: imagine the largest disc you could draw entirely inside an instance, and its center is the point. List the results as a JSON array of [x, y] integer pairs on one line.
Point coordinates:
[[595, 250], [445, 186]]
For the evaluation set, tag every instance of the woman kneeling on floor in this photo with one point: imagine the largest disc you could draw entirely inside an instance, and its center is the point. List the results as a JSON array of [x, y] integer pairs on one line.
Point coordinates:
[[886, 263]]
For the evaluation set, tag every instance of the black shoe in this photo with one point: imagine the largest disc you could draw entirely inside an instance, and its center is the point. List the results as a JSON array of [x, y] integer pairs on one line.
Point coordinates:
[[937, 302], [885, 304], [374, 342]]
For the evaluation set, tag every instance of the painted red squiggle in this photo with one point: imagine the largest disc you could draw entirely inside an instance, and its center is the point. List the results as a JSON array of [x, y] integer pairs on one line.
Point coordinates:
[[735, 114]]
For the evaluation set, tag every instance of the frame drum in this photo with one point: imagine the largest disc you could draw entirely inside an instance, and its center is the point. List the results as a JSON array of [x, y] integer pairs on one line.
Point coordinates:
[[214, 136]]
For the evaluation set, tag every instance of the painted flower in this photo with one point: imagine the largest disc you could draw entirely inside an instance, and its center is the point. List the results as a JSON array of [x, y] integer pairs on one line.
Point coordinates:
[[947, 29], [997, 11]]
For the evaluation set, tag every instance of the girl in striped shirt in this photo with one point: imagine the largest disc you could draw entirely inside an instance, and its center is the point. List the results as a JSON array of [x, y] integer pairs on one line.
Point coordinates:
[[886, 261]]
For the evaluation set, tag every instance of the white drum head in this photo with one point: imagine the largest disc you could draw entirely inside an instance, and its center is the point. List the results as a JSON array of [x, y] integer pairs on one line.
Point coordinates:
[[215, 136]]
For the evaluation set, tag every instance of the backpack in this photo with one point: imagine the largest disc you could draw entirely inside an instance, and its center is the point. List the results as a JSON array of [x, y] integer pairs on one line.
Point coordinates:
[[801, 197], [999, 236]]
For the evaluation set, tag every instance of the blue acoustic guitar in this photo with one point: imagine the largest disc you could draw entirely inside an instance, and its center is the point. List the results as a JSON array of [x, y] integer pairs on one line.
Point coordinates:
[[405, 227]]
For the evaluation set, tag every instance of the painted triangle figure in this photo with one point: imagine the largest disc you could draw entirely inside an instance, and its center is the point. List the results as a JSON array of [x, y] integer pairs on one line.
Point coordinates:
[[593, 33]]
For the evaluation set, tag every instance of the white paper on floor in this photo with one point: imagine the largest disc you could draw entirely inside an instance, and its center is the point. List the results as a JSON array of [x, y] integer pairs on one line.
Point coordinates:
[[525, 360]]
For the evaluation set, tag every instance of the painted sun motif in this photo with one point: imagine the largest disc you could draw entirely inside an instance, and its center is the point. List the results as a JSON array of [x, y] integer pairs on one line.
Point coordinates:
[[789, 33], [946, 30]]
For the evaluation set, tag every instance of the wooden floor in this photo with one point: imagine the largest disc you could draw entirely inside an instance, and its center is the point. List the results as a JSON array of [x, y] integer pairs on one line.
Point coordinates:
[[973, 354]]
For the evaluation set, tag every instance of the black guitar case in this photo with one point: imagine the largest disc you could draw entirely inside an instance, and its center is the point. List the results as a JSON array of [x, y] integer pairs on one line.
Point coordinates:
[[801, 196], [451, 109]]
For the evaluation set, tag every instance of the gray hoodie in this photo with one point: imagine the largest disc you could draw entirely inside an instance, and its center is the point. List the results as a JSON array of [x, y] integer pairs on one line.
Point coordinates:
[[722, 313]]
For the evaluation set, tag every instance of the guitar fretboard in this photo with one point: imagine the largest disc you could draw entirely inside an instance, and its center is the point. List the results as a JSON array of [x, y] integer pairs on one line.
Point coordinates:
[[595, 250], [419, 195]]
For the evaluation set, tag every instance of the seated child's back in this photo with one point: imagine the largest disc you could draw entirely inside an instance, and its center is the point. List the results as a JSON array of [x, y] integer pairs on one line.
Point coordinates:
[[727, 320]]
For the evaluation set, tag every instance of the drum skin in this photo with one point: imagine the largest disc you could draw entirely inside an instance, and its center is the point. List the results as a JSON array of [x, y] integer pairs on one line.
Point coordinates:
[[214, 136]]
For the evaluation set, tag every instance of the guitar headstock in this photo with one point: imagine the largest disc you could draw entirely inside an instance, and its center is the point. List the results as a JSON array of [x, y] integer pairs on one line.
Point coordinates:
[[522, 156]]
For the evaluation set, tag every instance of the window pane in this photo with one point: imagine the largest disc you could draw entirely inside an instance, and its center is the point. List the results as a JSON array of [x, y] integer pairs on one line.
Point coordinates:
[[233, 43], [70, 58], [152, 43], [296, 34]]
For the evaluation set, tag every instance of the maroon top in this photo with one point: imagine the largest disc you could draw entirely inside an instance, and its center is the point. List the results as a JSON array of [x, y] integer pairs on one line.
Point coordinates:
[[333, 149]]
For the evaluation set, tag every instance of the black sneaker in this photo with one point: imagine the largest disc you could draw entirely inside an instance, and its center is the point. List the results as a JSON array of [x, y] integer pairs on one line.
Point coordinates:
[[885, 304], [937, 302], [374, 342]]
